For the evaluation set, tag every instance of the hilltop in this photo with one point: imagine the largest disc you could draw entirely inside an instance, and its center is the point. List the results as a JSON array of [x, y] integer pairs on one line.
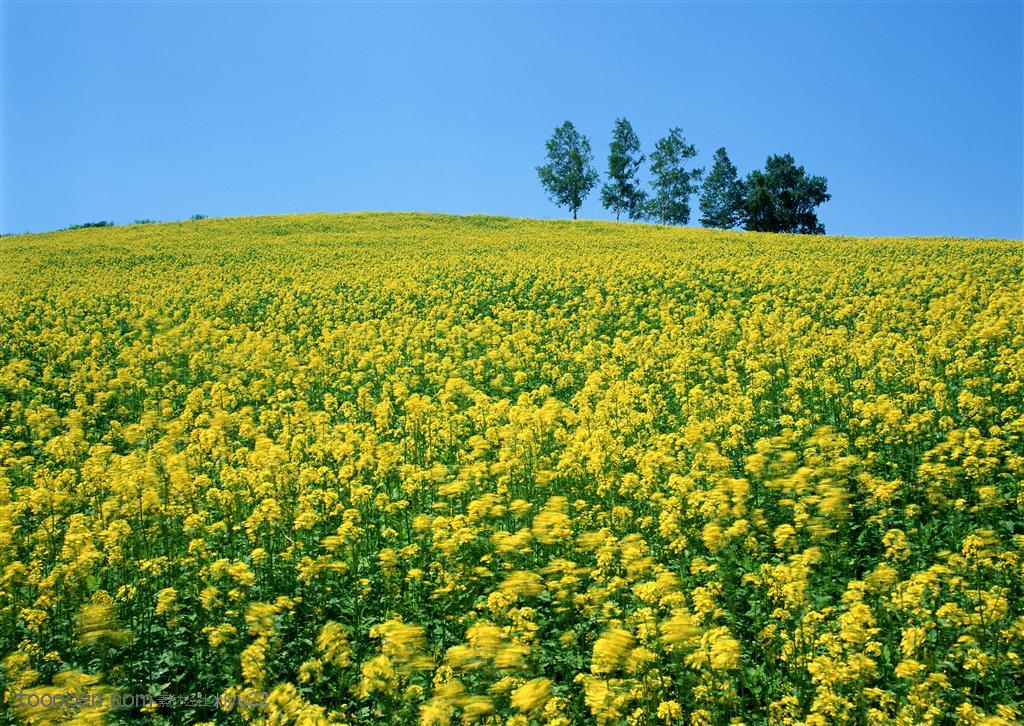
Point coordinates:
[[356, 238]]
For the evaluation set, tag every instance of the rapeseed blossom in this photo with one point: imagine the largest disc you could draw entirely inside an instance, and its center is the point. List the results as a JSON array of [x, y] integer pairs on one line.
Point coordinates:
[[425, 469]]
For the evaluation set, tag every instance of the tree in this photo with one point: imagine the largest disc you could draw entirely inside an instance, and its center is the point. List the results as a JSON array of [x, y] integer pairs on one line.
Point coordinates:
[[722, 195], [672, 184], [569, 174], [622, 191], [782, 198]]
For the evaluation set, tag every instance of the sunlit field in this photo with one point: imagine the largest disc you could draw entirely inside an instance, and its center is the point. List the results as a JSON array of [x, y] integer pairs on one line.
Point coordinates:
[[399, 469]]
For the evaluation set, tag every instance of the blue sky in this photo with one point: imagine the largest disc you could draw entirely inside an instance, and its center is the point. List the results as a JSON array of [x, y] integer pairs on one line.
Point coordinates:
[[913, 111]]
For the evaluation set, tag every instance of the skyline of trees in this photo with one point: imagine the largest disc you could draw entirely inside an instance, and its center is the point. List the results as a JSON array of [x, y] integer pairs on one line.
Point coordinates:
[[780, 198]]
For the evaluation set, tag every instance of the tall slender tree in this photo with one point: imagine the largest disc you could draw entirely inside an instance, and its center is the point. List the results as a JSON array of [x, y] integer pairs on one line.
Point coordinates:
[[672, 182], [722, 199], [783, 198], [569, 175], [622, 192]]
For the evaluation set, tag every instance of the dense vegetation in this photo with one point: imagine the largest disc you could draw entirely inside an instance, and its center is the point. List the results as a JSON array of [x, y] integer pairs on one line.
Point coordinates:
[[412, 468]]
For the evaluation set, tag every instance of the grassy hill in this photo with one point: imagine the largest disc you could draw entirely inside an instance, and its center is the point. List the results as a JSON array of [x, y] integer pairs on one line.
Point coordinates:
[[381, 468]]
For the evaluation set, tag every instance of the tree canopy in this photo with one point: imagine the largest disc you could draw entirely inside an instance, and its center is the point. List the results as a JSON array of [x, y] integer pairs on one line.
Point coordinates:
[[722, 197], [783, 198], [622, 193], [569, 175], [672, 183]]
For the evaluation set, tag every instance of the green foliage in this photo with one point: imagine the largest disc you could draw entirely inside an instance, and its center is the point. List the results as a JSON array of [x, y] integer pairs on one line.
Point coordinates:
[[722, 195], [673, 183], [622, 192], [197, 217], [782, 198], [91, 224], [569, 175]]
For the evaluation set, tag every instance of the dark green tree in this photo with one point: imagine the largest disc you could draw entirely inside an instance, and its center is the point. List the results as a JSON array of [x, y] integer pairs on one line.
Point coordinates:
[[722, 195], [569, 174], [672, 182], [622, 192], [782, 198]]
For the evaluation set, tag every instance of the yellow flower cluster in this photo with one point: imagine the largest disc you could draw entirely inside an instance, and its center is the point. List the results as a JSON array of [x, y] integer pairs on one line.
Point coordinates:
[[397, 468]]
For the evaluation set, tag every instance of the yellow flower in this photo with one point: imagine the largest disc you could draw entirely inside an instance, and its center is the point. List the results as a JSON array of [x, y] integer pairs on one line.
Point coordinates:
[[611, 650], [333, 644], [532, 695], [166, 600], [680, 630], [669, 711]]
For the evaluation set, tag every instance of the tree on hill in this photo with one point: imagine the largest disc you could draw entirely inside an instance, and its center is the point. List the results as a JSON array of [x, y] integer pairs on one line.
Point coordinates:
[[672, 182], [722, 195], [86, 225], [782, 198], [569, 175], [622, 192]]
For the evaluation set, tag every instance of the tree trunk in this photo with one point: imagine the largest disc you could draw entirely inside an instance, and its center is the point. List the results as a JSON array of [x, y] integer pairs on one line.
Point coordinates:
[[574, 212]]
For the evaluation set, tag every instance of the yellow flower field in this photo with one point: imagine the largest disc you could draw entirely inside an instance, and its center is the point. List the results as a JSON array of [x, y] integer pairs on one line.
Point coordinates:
[[397, 468]]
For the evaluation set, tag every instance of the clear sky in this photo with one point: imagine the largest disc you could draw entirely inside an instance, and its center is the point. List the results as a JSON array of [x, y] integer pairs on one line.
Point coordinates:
[[913, 111]]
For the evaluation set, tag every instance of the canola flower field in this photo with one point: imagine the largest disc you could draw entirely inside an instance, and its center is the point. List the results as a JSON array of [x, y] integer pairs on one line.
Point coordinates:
[[400, 469]]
